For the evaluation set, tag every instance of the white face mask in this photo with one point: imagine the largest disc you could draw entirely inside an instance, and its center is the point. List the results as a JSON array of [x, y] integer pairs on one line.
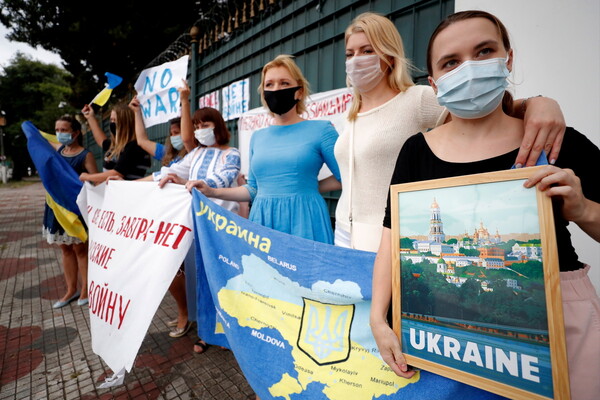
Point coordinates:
[[364, 72], [205, 136]]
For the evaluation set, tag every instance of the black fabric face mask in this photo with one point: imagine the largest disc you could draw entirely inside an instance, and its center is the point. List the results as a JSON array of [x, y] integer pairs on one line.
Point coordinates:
[[113, 128], [281, 101]]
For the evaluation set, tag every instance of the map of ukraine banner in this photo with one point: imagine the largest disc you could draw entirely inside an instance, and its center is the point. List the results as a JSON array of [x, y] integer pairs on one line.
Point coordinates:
[[296, 314]]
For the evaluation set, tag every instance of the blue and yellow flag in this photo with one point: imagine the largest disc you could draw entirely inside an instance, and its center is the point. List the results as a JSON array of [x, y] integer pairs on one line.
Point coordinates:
[[112, 82], [296, 314], [60, 180]]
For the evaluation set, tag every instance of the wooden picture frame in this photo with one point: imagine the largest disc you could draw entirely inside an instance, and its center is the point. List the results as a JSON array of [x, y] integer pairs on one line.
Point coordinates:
[[486, 314]]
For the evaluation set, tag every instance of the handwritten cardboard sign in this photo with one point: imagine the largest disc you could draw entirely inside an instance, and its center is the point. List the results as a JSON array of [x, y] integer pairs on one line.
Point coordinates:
[[157, 91]]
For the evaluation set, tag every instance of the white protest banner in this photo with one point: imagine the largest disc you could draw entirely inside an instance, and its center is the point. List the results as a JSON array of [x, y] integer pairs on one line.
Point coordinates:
[[209, 100], [236, 98], [139, 235], [331, 105], [157, 91]]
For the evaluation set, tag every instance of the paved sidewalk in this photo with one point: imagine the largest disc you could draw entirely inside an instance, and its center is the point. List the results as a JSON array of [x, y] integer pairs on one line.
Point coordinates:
[[47, 354]]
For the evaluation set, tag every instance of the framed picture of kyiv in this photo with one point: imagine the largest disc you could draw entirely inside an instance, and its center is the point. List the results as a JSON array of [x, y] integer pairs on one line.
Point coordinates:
[[476, 291]]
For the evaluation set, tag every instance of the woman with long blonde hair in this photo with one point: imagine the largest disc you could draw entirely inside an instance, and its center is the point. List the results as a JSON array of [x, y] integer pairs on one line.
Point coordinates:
[[123, 158], [388, 108]]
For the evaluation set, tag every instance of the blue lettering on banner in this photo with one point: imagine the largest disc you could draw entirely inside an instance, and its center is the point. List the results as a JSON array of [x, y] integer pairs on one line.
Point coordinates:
[[173, 99], [160, 107], [169, 75], [149, 85], [156, 106]]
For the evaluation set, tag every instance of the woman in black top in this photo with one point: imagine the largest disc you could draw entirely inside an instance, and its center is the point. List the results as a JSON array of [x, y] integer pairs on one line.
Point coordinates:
[[123, 157], [469, 59]]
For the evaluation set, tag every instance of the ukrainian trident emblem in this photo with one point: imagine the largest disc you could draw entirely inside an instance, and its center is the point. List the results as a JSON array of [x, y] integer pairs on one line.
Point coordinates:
[[325, 331]]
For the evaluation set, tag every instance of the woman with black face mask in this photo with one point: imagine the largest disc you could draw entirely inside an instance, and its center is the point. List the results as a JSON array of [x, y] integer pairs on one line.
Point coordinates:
[[123, 158], [285, 160]]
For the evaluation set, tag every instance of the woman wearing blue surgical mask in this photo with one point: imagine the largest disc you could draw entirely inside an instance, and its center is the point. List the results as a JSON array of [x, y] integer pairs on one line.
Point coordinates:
[[74, 251], [469, 59], [387, 108], [285, 160]]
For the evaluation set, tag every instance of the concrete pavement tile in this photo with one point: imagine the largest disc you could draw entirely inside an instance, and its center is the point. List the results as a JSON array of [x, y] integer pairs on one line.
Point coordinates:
[[41, 395], [24, 394], [68, 368]]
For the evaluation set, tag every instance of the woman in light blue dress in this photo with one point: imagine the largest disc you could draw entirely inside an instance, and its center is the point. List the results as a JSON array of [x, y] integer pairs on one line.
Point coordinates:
[[285, 160]]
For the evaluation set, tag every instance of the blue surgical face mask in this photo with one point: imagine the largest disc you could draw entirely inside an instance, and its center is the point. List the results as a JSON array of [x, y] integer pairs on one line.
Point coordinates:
[[177, 142], [64, 138], [474, 89]]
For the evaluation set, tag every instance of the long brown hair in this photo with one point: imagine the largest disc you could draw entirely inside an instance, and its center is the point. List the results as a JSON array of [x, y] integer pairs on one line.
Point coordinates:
[[171, 153], [507, 100], [125, 130]]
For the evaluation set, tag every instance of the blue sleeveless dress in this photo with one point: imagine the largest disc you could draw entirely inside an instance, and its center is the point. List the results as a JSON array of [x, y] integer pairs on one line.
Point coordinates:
[[285, 161], [52, 231]]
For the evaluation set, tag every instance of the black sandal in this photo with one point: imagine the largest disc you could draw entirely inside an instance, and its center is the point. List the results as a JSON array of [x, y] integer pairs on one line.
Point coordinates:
[[202, 344]]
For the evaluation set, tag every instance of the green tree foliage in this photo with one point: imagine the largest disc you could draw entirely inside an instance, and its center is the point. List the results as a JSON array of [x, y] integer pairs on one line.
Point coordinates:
[[121, 37], [469, 252], [406, 243], [424, 291], [34, 91], [532, 269]]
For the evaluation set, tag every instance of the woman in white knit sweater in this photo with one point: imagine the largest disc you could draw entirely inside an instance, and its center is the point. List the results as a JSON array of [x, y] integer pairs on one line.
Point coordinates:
[[387, 109]]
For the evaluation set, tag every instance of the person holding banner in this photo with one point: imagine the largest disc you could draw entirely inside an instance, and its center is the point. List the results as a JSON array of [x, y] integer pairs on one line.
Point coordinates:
[[74, 251], [387, 108], [474, 46], [123, 157], [213, 161], [171, 152], [285, 160]]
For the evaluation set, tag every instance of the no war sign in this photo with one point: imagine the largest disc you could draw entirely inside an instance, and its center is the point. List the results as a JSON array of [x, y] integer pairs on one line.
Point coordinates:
[[157, 91]]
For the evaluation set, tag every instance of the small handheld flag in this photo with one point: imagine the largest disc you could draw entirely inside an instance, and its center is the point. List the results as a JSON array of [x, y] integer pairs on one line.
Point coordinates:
[[102, 97]]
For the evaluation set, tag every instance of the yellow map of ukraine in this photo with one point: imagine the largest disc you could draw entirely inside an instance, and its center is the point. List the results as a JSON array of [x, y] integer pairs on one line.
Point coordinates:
[[317, 324]]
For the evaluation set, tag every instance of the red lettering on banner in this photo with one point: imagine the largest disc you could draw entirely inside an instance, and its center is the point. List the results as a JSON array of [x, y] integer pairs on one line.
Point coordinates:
[[134, 228], [166, 230], [103, 304], [100, 254], [104, 220], [331, 106]]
